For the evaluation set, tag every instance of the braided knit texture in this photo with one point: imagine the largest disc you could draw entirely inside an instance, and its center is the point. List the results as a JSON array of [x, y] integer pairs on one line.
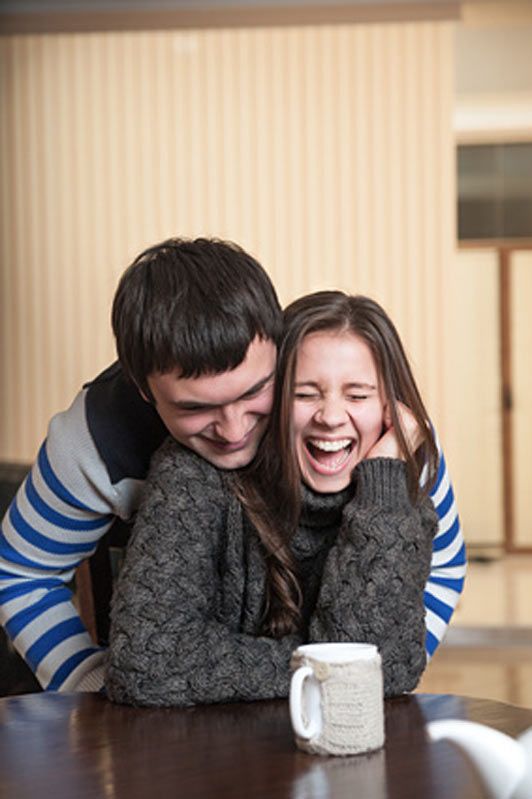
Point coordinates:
[[189, 601]]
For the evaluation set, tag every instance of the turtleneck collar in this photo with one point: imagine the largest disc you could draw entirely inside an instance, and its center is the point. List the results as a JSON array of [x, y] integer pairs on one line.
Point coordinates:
[[318, 510]]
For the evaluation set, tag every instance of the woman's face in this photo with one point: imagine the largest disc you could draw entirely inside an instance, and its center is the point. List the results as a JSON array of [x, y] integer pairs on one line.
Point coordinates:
[[338, 410]]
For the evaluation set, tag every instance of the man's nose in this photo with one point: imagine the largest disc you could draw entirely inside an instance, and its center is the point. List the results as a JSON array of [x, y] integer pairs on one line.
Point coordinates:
[[331, 412], [231, 423]]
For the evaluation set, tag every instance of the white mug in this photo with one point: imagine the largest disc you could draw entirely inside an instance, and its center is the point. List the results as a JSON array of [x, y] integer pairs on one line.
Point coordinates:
[[336, 698]]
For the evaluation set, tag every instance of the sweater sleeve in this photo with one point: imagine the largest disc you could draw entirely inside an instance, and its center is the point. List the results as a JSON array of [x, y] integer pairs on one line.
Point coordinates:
[[89, 471], [448, 566], [65, 505], [176, 625], [375, 573]]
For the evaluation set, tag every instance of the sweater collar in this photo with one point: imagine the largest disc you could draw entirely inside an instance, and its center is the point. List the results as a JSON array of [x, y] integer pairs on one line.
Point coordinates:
[[318, 509]]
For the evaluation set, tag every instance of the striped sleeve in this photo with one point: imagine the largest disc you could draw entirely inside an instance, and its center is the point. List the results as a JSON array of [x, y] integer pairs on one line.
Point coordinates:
[[448, 568], [60, 512]]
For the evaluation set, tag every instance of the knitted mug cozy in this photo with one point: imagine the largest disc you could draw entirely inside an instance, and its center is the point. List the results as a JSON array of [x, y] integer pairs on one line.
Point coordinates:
[[352, 706]]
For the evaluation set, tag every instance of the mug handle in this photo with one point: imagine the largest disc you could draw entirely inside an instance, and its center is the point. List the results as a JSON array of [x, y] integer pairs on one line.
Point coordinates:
[[313, 726]]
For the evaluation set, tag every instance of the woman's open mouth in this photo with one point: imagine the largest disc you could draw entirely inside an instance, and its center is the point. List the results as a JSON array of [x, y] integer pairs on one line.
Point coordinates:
[[328, 456]]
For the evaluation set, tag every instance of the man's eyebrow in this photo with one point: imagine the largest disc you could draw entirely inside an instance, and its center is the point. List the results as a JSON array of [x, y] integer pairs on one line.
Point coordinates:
[[257, 387], [190, 405]]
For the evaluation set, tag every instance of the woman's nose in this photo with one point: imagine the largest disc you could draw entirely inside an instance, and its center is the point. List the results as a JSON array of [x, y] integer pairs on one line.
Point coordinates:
[[331, 413]]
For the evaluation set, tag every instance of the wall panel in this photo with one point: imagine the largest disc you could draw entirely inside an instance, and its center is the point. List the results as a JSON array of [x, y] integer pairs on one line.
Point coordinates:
[[325, 150], [473, 439], [521, 344]]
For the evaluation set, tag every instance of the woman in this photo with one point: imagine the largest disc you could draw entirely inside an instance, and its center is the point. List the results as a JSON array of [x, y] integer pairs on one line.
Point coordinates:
[[334, 543]]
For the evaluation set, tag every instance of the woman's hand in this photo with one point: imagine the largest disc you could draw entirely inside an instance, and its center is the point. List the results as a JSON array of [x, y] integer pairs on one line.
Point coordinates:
[[388, 444]]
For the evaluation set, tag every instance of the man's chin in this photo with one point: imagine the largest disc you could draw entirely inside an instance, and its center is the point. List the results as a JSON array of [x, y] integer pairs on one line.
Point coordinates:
[[235, 460], [229, 460]]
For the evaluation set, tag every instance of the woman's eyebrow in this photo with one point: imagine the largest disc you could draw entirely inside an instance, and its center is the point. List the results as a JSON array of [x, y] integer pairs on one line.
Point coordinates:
[[312, 383], [353, 384], [357, 384]]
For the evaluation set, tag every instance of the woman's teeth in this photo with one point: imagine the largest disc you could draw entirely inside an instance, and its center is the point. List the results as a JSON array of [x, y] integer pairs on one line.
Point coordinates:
[[330, 455], [329, 446]]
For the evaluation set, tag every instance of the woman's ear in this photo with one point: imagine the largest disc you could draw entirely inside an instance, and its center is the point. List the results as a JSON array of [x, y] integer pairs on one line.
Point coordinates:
[[387, 417]]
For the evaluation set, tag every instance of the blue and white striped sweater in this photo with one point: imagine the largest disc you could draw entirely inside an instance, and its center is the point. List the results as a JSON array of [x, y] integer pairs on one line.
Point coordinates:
[[90, 470], [448, 567]]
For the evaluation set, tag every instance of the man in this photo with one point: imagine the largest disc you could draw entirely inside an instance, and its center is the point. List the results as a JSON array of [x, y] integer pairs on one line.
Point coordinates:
[[196, 326]]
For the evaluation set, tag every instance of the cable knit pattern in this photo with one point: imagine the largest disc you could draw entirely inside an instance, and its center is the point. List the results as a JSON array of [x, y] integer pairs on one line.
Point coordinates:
[[189, 600], [372, 585]]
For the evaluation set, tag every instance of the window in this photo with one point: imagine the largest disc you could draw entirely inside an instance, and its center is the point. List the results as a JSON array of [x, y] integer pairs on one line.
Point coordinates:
[[495, 191]]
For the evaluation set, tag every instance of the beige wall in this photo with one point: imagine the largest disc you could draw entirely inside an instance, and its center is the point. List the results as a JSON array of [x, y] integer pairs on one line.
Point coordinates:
[[326, 151], [493, 86]]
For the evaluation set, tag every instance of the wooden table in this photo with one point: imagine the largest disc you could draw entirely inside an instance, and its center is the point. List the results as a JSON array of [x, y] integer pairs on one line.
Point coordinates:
[[80, 746]]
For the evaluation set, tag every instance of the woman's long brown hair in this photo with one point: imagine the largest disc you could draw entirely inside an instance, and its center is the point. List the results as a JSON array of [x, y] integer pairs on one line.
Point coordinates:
[[270, 489]]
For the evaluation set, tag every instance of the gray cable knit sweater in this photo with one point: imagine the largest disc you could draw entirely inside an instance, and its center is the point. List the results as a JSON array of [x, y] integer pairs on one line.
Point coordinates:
[[189, 599]]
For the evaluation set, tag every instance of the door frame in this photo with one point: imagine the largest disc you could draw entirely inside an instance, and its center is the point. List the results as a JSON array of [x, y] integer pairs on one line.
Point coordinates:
[[507, 391]]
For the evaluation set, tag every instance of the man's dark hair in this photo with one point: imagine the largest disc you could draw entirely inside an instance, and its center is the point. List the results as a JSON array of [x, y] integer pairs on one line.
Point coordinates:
[[191, 304]]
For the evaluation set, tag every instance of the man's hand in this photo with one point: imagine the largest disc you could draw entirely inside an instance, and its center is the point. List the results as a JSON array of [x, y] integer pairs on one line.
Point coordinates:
[[388, 444]]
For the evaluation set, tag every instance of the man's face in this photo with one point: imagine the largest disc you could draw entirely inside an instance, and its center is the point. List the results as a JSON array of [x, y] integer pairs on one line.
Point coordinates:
[[222, 417]]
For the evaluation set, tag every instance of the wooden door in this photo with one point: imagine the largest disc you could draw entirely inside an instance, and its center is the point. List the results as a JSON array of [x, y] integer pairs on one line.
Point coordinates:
[[518, 284], [472, 436]]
